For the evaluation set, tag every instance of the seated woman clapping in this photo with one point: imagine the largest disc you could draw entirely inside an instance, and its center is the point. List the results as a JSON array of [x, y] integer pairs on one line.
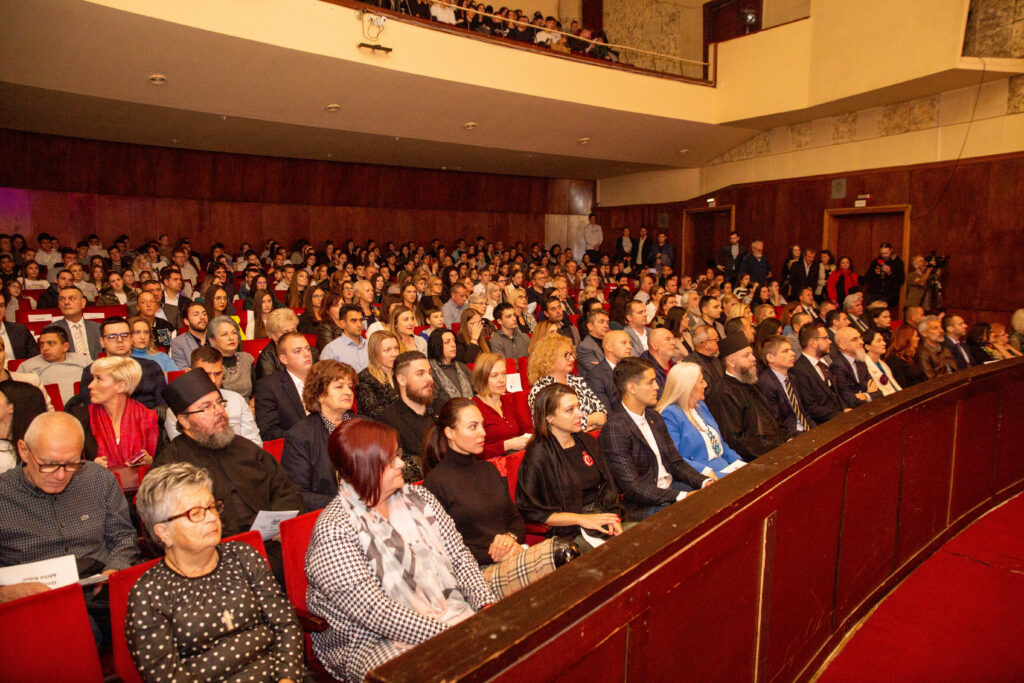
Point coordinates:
[[694, 432], [564, 479], [386, 566], [505, 431], [476, 496], [208, 611], [328, 394], [119, 430]]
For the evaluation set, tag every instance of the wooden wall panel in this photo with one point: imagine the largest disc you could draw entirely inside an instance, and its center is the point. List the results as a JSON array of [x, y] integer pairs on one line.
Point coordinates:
[[71, 187]]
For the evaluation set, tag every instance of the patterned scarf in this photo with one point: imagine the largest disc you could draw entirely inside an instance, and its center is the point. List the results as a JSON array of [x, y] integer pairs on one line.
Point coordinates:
[[465, 388], [407, 554]]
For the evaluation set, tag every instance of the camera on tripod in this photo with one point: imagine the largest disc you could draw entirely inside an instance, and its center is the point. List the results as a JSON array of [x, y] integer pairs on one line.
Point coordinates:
[[936, 260]]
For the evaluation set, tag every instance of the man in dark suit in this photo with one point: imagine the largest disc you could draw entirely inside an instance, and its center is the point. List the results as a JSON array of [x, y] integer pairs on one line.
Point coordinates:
[[50, 297], [807, 304], [738, 406], [615, 347], [116, 340], [555, 313], [853, 304], [20, 343], [589, 352], [644, 461], [803, 273], [852, 379], [812, 378], [83, 335], [642, 248], [956, 329], [779, 391], [705, 354], [729, 257], [278, 397]]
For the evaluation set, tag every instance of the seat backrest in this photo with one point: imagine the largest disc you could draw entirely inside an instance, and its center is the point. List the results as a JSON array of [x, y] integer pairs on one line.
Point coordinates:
[[28, 654], [254, 346], [512, 462], [175, 374], [120, 587], [13, 364], [52, 389], [295, 535], [275, 447], [38, 315], [311, 338]]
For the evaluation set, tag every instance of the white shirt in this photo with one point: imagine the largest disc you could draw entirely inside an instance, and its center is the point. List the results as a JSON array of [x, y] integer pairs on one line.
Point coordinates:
[[239, 417], [7, 341], [664, 478], [299, 384], [642, 334], [593, 235], [814, 364], [443, 14]]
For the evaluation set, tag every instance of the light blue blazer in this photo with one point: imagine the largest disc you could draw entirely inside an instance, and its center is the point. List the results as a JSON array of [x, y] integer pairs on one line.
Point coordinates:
[[690, 443]]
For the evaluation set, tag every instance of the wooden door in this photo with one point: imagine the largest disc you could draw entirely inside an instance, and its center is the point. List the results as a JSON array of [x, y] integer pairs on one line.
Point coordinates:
[[704, 232], [857, 232]]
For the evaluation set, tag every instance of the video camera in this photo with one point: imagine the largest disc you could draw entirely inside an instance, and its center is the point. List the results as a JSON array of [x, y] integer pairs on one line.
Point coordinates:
[[936, 260]]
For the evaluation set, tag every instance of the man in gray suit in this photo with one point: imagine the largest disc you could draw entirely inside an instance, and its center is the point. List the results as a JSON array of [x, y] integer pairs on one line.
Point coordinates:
[[636, 326], [589, 352], [83, 335]]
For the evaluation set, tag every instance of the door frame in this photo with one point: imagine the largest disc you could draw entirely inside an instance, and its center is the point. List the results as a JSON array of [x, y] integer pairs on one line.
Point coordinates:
[[688, 236], [829, 237]]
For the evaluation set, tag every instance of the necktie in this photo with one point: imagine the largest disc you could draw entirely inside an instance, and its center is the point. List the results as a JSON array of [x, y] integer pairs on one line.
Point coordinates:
[[804, 425], [824, 371], [81, 343]]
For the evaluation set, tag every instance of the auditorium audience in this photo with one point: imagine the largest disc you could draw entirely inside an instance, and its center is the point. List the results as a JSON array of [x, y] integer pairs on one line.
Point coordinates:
[[551, 362], [328, 395], [640, 452], [902, 357], [934, 358], [83, 335], [386, 566], [195, 320], [20, 403], [240, 417], [263, 305], [661, 346], [208, 610], [999, 342], [119, 431], [239, 366], [115, 340], [477, 497], [412, 413], [842, 282], [509, 340], [471, 340], [955, 330], [781, 394], [855, 385], [694, 432], [564, 480]]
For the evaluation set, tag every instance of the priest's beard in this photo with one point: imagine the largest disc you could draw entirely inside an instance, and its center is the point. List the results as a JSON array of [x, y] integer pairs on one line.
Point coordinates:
[[748, 376], [217, 440]]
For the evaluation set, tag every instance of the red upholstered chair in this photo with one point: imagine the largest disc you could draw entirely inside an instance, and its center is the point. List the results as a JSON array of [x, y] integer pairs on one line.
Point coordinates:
[[120, 586], [52, 389], [175, 374], [524, 367], [311, 338], [13, 364], [47, 637], [239, 306], [295, 535], [46, 315], [275, 448], [535, 533], [254, 346], [33, 294], [37, 327]]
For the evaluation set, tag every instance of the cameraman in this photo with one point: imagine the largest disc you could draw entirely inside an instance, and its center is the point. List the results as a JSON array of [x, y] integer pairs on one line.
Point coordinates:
[[919, 290], [885, 276]]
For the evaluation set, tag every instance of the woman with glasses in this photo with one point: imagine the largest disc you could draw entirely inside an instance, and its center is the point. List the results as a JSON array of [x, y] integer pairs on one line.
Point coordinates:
[[207, 611], [143, 345], [387, 567], [119, 431], [311, 316], [550, 363]]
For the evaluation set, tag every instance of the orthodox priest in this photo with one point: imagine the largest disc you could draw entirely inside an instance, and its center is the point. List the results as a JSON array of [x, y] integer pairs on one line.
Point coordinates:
[[738, 406], [245, 477]]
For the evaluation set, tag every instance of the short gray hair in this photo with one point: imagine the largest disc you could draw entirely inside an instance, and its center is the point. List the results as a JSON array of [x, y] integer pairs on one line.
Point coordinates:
[[701, 334], [852, 300], [219, 322], [161, 491], [924, 322], [278, 319]]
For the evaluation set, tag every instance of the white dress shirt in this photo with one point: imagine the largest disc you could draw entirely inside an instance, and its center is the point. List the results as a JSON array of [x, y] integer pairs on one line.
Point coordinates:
[[664, 478]]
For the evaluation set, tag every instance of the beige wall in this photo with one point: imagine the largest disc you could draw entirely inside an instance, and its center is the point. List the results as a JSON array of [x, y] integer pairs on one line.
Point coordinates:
[[783, 11], [915, 131]]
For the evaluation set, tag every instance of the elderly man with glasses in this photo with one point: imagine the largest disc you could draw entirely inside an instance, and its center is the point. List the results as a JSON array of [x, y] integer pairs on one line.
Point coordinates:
[[58, 504], [245, 477]]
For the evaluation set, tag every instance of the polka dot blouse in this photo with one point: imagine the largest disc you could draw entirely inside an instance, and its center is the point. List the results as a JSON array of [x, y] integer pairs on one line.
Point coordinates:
[[234, 624]]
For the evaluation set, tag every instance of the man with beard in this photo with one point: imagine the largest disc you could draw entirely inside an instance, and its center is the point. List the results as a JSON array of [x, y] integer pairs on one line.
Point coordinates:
[[851, 372], [245, 477], [194, 315], [738, 406], [412, 414]]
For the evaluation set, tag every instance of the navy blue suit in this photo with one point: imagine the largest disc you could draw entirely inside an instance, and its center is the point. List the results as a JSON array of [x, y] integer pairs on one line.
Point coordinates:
[[820, 400], [778, 401], [848, 384], [599, 377]]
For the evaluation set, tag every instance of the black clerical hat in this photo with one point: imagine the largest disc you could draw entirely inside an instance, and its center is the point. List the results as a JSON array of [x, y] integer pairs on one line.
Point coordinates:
[[737, 341], [187, 389]]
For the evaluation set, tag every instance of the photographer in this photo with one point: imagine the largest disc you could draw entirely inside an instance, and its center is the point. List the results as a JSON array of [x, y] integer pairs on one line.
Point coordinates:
[[922, 280], [885, 276]]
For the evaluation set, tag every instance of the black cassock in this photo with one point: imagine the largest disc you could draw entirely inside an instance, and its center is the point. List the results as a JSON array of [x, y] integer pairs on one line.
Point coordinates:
[[744, 418]]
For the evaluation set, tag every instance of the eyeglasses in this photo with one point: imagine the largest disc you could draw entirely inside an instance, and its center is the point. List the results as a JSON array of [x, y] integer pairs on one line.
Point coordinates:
[[222, 404], [117, 336], [397, 461], [198, 513], [51, 467], [569, 355]]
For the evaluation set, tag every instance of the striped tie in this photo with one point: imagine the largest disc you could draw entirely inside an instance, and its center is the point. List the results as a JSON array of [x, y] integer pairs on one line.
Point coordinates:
[[804, 425]]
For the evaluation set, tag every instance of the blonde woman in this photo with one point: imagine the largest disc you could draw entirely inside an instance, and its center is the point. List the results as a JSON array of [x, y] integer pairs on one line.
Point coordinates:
[[527, 323], [542, 330], [375, 389], [403, 326], [550, 363], [740, 311], [493, 293], [694, 432]]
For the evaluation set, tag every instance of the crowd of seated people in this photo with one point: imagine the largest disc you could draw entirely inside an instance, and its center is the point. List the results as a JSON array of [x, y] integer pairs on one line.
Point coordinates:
[[643, 386], [504, 22]]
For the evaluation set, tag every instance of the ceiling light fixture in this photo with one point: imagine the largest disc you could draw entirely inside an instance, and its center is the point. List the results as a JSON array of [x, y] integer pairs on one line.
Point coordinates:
[[469, 125], [333, 108], [157, 79], [684, 152], [583, 141]]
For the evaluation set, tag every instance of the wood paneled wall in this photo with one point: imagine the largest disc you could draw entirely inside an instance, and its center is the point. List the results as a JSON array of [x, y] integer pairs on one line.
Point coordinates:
[[71, 187], [970, 210]]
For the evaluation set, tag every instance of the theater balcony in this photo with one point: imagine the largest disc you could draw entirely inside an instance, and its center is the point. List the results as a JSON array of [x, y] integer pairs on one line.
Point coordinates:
[[294, 78]]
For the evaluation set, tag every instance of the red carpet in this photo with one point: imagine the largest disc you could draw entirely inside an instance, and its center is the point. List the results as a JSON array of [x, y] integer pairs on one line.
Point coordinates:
[[958, 617]]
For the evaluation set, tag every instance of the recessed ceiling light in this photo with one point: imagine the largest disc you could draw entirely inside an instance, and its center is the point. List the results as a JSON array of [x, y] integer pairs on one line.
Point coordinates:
[[333, 108], [684, 152], [157, 79], [469, 125], [583, 141]]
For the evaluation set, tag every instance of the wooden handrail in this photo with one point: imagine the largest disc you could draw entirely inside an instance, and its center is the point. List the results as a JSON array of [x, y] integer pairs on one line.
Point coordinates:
[[775, 563]]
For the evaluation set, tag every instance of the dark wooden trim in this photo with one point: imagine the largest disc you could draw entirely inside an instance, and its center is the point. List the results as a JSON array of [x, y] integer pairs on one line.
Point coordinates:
[[455, 30], [631, 576]]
